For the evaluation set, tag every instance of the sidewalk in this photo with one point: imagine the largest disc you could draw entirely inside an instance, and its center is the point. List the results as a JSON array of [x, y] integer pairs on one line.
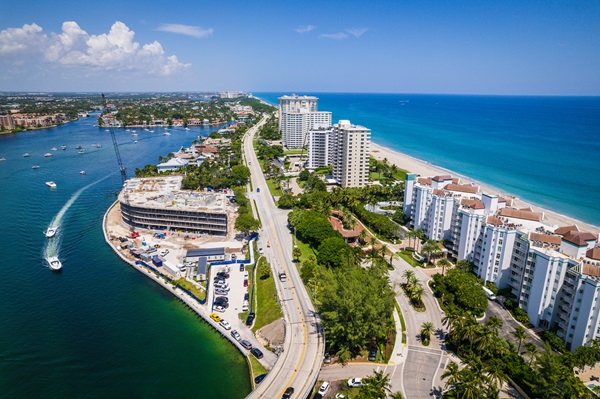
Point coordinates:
[[399, 354]]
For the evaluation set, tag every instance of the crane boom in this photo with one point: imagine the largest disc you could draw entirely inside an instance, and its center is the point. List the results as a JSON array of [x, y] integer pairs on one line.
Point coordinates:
[[115, 144]]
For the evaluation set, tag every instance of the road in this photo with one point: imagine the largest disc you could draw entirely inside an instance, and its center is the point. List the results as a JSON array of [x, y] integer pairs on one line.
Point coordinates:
[[299, 364]]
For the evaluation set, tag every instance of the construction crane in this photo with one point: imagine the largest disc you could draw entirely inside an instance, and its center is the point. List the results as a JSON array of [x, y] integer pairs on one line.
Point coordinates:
[[115, 145]]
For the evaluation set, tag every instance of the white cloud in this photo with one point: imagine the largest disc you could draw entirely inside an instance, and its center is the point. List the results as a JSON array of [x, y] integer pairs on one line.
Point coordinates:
[[113, 51], [305, 29], [335, 36], [357, 32], [188, 30]]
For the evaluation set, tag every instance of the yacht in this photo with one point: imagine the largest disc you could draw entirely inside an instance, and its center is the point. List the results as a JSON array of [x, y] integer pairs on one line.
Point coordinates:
[[151, 131], [187, 128], [54, 263], [167, 134], [64, 147], [82, 172], [2, 159], [47, 155], [51, 232], [51, 184], [54, 149], [26, 155], [78, 147], [135, 142], [81, 151], [35, 167]]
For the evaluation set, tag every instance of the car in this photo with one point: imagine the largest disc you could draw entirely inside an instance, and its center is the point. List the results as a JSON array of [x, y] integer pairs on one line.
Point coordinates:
[[222, 285], [220, 291], [245, 306], [223, 275], [236, 335], [222, 299], [324, 388], [225, 324], [164, 252], [258, 189], [250, 163], [219, 308], [246, 344], [215, 317], [233, 256], [245, 282], [339, 396], [224, 305], [288, 393], [242, 267], [327, 358], [246, 297], [372, 354], [258, 379], [257, 353], [250, 318], [355, 382], [261, 251]]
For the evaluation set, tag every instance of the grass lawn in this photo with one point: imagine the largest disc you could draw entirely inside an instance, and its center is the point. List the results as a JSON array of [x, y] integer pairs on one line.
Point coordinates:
[[275, 191], [267, 310], [295, 151], [199, 293], [306, 250], [407, 256], [257, 368]]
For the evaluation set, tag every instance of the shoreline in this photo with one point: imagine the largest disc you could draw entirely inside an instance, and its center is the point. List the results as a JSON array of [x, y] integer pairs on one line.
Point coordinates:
[[426, 169]]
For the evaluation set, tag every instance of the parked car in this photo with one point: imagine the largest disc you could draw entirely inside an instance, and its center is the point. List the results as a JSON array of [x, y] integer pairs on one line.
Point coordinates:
[[339, 396], [372, 354], [245, 282], [245, 306], [258, 189], [257, 353], [236, 335], [164, 252], [225, 324], [233, 256], [288, 393], [261, 251], [355, 383], [219, 308], [324, 388], [258, 379], [221, 292], [246, 297], [222, 299], [223, 275], [246, 344], [215, 317], [250, 318], [242, 267], [327, 358]]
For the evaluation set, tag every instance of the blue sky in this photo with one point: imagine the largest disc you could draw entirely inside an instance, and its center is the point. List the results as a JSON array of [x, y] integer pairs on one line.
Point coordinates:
[[462, 47]]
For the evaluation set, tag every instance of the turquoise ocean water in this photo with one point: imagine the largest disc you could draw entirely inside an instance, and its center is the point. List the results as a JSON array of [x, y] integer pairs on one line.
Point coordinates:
[[545, 150], [98, 329]]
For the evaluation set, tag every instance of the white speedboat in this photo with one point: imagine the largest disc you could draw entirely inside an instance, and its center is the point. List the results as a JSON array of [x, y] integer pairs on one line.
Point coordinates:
[[35, 167], [51, 184], [47, 155], [64, 147], [54, 149], [135, 142], [26, 155], [81, 151], [51, 232], [82, 172], [2, 159], [167, 134], [53, 263]]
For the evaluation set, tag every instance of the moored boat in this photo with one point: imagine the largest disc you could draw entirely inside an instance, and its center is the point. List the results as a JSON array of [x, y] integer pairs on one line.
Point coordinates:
[[47, 155], [82, 172], [26, 155], [54, 149], [53, 263], [64, 147], [35, 167], [81, 151], [51, 184]]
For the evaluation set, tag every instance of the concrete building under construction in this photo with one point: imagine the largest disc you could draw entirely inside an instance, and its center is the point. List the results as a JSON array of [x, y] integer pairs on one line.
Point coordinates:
[[159, 203]]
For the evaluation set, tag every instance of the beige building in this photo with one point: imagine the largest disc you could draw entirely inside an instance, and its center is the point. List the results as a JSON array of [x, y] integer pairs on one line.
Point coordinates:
[[349, 154], [298, 115]]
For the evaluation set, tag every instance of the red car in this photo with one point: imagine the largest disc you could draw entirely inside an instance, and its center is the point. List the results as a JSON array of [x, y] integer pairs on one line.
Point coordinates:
[[245, 282]]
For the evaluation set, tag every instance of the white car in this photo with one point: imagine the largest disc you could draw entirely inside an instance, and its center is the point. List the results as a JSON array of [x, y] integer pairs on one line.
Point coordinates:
[[339, 396], [164, 252], [236, 335], [225, 324], [324, 388], [261, 251], [355, 383]]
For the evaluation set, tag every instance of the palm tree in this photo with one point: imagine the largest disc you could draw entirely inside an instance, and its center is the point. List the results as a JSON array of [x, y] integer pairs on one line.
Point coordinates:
[[380, 382], [451, 374], [382, 251], [531, 351], [495, 374], [429, 248], [393, 255], [471, 331], [416, 294], [419, 235], [494, 323], [519, 334], [397, 395], [444, 263], [410, 234], [410, 277], [426, 330], [362, 236]]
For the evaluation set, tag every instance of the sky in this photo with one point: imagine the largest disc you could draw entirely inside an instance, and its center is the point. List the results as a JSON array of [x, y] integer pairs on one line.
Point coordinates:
[[448, 47]]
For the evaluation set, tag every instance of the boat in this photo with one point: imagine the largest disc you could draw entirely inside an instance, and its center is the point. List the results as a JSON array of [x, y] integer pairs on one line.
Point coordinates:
[[128, 130], [81, 151], [82, 172], [26, 155], [53, 263], [187, 128], [51, 232], [51, 184], [167, 134], [64, 147], [54, 149], [135, 142], [151, 131], [78, 147], [135, 134], [47, 155], [35, 167], [2, 159]]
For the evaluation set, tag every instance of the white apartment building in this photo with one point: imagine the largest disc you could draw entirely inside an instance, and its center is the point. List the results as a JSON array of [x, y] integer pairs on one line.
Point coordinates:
[[297, 115], [319, 144], [349, 154], [553, 272]]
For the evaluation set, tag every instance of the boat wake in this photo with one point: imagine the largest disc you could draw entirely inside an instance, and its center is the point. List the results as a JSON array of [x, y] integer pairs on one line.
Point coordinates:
[[53, 244]]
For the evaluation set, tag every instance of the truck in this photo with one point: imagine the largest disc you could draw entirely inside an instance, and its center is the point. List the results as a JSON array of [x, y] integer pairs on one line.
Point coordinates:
[[157, 261], [489, 293], [282, 277]]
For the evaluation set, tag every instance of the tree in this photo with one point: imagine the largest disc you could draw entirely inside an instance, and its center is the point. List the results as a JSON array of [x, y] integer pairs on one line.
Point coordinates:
[[378, 386], [333, 251], [264, 270], [296, 253], [531, 351], [451, 374], [519, 334], [430, 248], [246, 223], [444, 263], [286, 201], [426, 330]]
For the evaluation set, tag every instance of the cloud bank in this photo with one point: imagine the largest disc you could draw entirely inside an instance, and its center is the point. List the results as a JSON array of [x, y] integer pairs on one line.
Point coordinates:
[[356, 32], [194, 31], [305, 29], [74, 47]]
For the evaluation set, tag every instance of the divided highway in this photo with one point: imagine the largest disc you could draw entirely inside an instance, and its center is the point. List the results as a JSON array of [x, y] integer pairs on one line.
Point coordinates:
[[299, 364]]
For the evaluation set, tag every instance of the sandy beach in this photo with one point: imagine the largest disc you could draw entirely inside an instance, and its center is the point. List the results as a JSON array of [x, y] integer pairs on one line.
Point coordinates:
[[425, 169]]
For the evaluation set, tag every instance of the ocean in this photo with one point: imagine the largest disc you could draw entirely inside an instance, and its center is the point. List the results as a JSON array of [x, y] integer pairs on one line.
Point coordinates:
[[98, 328], [545, 150]]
